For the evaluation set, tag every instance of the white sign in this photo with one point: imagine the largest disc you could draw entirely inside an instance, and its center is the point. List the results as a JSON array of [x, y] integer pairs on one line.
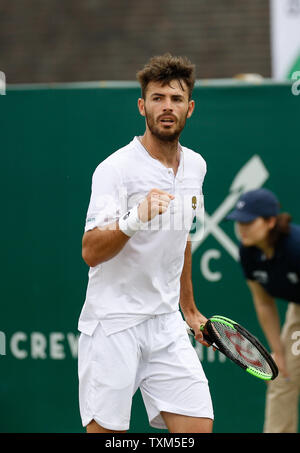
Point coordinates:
[[285, 38], [2, 83]]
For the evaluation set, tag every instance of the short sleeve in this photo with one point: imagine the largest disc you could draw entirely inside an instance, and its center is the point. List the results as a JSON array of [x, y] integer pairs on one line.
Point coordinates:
[[105, 204]]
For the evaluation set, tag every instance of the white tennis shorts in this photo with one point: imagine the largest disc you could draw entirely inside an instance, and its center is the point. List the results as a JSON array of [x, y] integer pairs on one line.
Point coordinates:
[[155, 356]]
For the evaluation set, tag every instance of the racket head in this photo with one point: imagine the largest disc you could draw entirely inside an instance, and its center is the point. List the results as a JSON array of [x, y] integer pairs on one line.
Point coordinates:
[[240, 346]]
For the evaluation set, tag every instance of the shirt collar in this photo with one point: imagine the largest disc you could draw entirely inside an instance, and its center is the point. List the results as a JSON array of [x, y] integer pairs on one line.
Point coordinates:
[[180, 170]]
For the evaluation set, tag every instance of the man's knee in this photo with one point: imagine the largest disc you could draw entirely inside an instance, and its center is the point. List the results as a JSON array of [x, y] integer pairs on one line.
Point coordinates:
[[177, 423], [94, 427]]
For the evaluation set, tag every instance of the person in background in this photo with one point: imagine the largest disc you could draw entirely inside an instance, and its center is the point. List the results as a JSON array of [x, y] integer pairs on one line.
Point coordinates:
[[270, 259]]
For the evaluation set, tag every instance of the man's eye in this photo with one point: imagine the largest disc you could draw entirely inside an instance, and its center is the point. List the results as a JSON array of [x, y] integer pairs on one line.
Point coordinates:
[[156, 98]]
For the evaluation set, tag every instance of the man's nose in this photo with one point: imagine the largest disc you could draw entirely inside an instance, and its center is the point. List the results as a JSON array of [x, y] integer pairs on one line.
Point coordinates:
[[167, 105]]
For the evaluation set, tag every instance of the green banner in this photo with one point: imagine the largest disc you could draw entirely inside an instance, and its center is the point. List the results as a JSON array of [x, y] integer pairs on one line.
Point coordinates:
[[52, 139]]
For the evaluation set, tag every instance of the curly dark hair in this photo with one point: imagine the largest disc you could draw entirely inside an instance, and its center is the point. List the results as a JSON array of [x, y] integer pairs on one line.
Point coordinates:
[[164, 68]]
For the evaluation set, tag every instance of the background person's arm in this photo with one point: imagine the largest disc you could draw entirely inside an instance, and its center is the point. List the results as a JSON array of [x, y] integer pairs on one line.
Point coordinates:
[[267, 313]]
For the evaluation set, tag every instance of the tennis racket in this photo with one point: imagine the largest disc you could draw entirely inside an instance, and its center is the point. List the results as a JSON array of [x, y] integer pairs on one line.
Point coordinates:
[[239, 345]]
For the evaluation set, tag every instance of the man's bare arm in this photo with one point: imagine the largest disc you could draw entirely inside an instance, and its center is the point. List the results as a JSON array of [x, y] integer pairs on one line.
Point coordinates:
[[187, 302], [99, 245], [103, 243]]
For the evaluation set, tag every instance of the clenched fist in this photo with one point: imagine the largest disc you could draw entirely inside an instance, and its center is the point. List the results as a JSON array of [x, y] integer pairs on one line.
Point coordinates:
[[156, 202]]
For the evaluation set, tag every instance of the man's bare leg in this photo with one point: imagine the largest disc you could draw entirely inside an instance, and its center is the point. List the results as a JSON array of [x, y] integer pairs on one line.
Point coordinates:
[[93, 427], [177, 423]]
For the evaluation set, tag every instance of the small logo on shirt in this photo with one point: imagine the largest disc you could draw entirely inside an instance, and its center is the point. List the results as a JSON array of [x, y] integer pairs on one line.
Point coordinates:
[[126, 215], [261, 276], [293, 277], [194, 202], [240, 204]]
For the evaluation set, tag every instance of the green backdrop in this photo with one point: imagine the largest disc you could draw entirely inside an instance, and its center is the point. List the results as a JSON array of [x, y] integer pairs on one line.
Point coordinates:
[[52, 139]]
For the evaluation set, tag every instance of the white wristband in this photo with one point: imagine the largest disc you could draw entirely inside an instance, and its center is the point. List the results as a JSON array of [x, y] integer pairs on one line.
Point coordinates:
[[130, 223]]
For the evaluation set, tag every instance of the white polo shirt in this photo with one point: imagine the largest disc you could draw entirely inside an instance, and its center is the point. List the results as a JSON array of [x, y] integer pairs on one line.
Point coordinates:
[[143, 279]]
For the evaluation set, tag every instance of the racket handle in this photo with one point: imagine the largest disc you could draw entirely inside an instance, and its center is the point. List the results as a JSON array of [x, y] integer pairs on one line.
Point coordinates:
[[202, 327], [189, 330], [205, 334]]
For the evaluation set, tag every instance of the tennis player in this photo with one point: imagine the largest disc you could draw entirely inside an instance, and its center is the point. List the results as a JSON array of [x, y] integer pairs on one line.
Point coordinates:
[[132, 332], [270, 259]]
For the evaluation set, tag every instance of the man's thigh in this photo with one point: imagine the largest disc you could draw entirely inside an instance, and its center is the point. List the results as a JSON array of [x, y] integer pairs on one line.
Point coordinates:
[[107, 370], [175, 382]]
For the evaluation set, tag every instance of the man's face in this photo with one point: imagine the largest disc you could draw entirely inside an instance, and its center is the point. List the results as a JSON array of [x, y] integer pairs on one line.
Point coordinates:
[[166, 109]]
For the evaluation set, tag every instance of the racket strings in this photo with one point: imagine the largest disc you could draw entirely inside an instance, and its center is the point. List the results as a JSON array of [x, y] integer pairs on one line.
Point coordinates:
[[241, 348]]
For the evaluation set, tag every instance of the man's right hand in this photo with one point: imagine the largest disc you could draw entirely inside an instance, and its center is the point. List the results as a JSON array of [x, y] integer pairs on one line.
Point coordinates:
[[156, 202]]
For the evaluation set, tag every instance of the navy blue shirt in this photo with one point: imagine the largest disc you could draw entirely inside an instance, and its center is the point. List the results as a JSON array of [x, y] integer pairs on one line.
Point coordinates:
[[280, 275]]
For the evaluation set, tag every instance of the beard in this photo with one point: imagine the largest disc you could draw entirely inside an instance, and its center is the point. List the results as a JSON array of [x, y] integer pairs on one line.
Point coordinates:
[[165, 134]]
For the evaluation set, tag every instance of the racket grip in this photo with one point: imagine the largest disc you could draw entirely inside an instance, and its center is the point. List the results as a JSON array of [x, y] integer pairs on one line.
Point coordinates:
[[202, 328], [206, 337]]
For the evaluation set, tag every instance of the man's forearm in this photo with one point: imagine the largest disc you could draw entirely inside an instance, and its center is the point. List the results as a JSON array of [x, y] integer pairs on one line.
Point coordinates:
[[99, 245], [187, 302], [102, 244], [191, 314]]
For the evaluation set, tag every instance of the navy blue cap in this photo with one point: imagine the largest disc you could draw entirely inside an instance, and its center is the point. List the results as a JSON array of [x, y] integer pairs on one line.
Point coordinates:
[[253, 204]]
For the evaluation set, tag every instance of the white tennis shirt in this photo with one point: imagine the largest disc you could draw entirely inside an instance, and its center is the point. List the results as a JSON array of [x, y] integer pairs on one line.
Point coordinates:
[[143, 279]]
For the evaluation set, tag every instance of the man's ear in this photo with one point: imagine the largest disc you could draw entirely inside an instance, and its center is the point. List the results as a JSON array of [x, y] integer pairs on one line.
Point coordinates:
[[141, 106], [191, 108]]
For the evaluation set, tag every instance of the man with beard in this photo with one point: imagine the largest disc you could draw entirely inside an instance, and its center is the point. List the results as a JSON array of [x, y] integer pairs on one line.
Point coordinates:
[[136, 241]]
